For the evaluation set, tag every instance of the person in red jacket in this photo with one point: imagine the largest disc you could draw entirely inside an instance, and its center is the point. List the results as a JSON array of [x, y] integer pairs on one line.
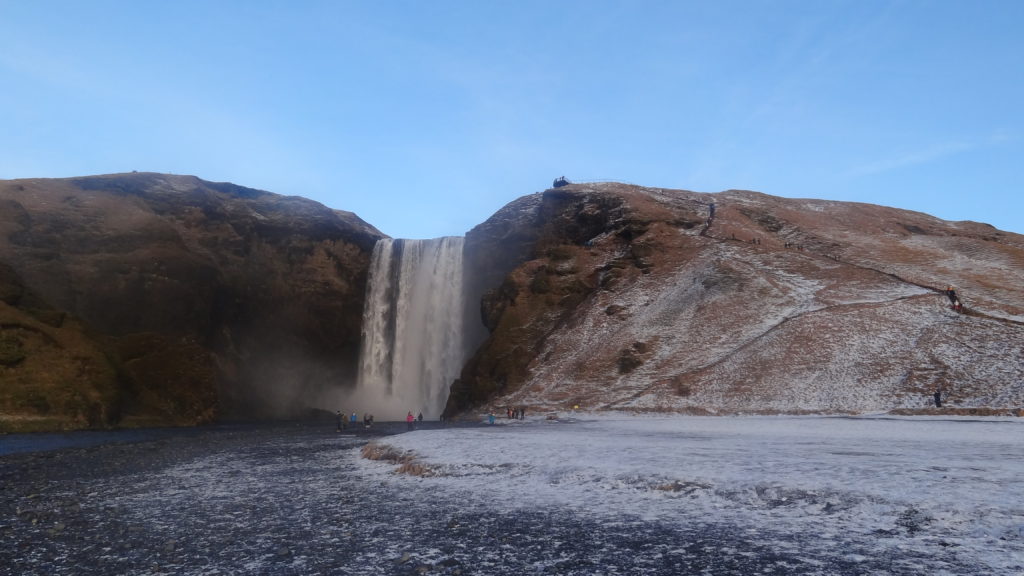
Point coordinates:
[[409, 418]]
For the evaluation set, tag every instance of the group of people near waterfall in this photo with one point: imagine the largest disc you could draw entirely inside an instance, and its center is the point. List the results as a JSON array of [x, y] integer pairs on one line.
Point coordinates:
[[344, 421], [411, 420], [516, 413]]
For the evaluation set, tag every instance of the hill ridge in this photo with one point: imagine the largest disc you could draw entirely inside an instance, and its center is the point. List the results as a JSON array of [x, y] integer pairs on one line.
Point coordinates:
[[783, 307], [147, 298]]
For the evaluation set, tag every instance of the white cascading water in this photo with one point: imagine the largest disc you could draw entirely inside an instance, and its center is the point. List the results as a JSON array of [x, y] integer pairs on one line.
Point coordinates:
[[412, 345]]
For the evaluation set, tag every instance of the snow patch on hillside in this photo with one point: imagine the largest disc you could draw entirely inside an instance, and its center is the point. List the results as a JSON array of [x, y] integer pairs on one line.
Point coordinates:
[[710, 335]]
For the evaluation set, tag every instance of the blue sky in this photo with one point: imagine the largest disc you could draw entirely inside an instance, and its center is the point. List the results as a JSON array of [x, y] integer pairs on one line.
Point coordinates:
[[425, 117]]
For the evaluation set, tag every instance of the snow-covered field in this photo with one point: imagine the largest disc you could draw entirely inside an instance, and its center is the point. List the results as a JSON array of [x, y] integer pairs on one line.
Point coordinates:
[[607, 495], [927, 496]]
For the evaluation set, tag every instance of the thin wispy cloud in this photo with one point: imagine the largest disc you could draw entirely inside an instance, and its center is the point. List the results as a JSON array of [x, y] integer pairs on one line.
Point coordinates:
[[789, 98], [926, 155]]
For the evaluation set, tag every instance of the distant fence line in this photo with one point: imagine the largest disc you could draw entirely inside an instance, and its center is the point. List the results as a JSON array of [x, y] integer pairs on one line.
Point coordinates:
[[628, 183], [603, 180]]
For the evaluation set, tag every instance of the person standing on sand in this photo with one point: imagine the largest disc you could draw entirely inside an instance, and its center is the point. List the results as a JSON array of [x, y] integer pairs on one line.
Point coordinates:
[[341, 421], [409, 418]]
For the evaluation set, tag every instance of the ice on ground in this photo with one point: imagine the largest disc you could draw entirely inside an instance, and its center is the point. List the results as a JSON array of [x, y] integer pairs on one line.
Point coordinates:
[[942, 488]]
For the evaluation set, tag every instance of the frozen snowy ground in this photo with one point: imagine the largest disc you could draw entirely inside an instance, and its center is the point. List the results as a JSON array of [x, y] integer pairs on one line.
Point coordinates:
[[609, 495], [826, 495]]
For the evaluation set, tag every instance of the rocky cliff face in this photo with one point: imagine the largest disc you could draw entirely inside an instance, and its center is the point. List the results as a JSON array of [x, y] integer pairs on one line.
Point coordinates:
[[610, 296], [148, 299], [156, 299]]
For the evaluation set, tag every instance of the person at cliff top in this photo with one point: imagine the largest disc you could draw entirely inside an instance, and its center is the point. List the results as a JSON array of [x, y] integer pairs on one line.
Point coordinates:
[[409, 419]]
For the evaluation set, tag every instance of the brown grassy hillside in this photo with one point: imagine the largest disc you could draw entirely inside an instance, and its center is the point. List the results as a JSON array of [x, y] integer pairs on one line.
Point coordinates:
[[622, 297]]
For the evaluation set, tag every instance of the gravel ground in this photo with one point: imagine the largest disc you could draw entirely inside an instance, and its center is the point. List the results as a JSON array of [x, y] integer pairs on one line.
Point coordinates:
[[286, 499]]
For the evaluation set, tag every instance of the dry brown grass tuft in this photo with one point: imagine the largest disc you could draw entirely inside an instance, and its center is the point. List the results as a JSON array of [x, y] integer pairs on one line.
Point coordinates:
[[406, 461], [377, 451], [415, 469]]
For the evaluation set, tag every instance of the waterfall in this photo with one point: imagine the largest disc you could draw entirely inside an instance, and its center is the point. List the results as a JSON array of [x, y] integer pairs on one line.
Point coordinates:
[[412, 344]]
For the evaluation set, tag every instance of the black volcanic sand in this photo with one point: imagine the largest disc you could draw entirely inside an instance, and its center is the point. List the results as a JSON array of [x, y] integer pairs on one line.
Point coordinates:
[[285, 499]]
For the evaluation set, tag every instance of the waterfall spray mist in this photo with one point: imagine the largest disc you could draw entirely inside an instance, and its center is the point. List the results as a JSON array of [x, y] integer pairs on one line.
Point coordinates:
[[412, 344]]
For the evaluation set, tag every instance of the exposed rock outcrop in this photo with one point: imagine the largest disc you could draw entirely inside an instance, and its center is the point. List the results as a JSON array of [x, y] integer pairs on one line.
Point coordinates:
[[159, 299], [611, 296]]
